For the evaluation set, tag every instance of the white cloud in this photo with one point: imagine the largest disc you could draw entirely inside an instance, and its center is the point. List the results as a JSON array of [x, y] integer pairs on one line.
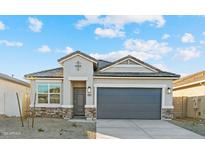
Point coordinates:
[[149, 46], [113, 25], [11, 43], [44, 49], [202, 42], [188, 53], [120, 20], [109, 32], [2, 26], [203, 33], [165, 36], [67, 50], [141, 49], [187, 38], [35, 24], [114, 55]]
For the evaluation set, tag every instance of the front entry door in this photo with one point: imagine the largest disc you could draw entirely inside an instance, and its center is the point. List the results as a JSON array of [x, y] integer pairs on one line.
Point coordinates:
[[79, 96]]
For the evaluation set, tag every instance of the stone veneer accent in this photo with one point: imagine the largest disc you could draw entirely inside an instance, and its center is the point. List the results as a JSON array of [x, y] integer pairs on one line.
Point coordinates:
[[46, 112], [167, 114], [90, 113]]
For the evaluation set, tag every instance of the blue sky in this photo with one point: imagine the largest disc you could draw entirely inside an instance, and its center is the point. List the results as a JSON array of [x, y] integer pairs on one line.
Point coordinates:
[[34, 43]]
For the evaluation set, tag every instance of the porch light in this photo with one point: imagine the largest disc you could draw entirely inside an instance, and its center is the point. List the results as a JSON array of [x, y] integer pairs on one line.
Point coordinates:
[[169, 90], [89, 89]]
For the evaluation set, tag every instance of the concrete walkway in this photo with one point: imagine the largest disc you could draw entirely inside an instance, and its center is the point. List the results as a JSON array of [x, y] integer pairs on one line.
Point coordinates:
[[142, 129]]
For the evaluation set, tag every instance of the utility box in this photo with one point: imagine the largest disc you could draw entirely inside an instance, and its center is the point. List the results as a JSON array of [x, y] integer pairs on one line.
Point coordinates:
[[195, 103]]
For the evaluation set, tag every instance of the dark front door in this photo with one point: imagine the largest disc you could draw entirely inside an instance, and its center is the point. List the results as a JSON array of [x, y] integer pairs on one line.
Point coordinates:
[[79, 96]]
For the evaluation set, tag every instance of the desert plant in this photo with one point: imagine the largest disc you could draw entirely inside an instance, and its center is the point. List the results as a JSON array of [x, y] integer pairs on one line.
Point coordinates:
[[40, 130]]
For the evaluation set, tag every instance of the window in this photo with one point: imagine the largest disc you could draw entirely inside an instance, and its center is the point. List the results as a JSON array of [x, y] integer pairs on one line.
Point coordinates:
[[49, 93]]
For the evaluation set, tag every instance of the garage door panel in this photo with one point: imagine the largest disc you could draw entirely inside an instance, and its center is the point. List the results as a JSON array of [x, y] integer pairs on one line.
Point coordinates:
[[139, 103]]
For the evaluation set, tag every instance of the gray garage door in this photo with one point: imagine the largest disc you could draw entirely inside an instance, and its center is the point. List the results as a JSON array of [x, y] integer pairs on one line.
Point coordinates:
[[128, 103]]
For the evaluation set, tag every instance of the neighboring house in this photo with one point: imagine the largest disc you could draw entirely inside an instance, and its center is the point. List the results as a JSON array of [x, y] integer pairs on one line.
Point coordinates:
[[83, 86], [189, 93], [9, 86]]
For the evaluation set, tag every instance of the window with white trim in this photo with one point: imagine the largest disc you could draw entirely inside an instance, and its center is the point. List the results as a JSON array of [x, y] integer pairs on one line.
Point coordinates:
[[48, 93]]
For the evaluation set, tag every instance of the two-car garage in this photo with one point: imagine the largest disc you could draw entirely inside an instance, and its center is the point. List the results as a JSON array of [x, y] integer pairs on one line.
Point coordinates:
[[129, 103]]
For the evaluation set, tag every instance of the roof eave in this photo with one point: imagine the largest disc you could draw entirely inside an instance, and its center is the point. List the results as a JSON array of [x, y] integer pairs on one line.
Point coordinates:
[[61, 60], [113, 76], [42, 77]]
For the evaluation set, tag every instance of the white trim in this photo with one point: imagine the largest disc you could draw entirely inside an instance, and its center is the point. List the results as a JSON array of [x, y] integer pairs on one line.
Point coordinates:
[[155, 78], [132, 85], [95, 95], [49, 81], [75, 56], [67, 106], [48, 104], [189, 84], [167, 107], [125, 60], [77, 78], [52, 105], [163, 96], [90, 106], [44, 78]]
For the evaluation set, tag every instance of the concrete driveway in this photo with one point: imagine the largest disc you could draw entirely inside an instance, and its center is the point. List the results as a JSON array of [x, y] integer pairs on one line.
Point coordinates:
[[142, 129]]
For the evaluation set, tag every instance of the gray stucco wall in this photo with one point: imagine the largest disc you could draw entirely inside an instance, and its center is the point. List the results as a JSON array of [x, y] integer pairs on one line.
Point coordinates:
[[85, 73]]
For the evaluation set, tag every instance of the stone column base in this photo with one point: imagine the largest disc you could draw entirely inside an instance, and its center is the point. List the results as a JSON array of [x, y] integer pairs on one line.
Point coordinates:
[[90, 113], [167, 114], [45, 112]]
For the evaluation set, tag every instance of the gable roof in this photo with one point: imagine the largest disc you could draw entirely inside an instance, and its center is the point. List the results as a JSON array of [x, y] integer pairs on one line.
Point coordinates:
[[14, 80], [133, 58], [192, 79], [102, 64], [61, 60], [157, 72], [51, 73]]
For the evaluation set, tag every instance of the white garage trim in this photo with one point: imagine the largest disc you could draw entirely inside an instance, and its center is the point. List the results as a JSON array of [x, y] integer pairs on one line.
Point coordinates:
[[148, 78], [132, 86]]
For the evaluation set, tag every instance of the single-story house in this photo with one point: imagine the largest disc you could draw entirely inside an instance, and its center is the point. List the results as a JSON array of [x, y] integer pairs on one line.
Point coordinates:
[[189, 96], [84, 86], [9, 86]]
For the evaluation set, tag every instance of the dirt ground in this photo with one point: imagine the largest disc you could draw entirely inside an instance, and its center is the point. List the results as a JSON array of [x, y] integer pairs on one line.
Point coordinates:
[[195, 126], [47, 128]]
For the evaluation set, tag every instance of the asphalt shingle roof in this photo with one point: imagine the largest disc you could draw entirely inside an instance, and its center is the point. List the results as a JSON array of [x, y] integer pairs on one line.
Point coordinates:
[[135, 74], [51, 73], [76, 52], [101, 64]]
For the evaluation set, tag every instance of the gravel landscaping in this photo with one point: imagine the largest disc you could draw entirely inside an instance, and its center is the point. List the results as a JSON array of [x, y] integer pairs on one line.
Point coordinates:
[[46, 128], [195, 126]]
